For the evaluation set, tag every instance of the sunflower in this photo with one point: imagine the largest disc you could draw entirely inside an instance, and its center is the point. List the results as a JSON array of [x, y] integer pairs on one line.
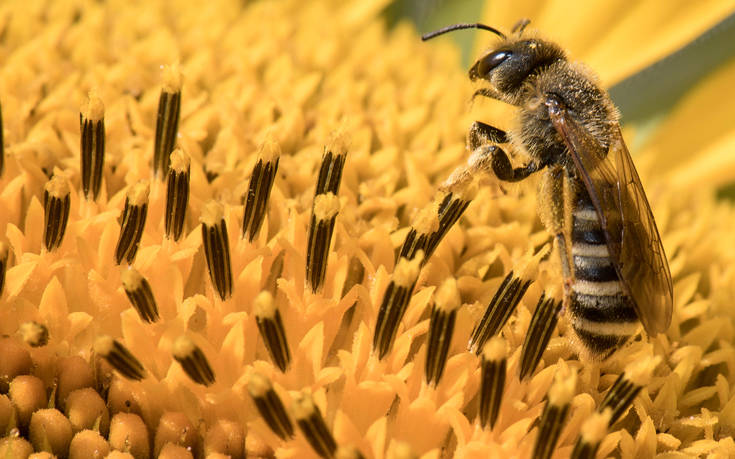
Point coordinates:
[[222, 233]]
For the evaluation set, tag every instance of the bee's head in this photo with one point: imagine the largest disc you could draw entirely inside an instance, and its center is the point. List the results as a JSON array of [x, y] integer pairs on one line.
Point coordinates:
[[507, 66]]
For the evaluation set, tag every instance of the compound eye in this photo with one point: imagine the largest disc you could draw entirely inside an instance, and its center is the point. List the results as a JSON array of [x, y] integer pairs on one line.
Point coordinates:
[[484, 66]]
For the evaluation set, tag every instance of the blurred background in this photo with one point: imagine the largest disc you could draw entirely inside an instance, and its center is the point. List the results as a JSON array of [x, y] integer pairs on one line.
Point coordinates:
[[669, 67]]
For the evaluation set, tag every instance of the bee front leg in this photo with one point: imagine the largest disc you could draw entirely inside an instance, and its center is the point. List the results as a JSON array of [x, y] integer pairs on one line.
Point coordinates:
[[504, 170], [483, 134]]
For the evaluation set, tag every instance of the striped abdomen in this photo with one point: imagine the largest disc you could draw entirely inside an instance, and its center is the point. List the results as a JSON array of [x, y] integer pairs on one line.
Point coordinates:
[[603, 316]]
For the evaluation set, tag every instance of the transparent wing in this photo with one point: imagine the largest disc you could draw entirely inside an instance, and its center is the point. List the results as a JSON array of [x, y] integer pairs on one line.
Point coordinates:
[[625, 215]]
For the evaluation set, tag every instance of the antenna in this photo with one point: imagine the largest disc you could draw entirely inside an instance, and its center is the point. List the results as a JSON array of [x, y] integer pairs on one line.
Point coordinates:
[[443, 30]]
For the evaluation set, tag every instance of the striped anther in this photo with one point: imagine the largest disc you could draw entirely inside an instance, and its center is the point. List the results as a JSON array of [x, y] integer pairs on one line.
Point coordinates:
[[119, 357], [554, 416], [132, 223], [92, 149], [424, 225], [177, 193], [492, 380], [217, 248], [591, 434], [539, 333], [3, 264], [312, 425], [270, 406], [323, 217], [33, 333], [167, 119], [193, 361], [333, 162], [441, 329], [428, 232], [502, 305], [259, 188], [395, 300], [270, 325], [628, 385], [56, 205], [140, 294]]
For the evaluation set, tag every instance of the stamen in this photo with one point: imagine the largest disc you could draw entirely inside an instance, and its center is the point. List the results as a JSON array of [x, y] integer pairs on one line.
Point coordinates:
[[333, 162], [395, 300], [270, 406], [591, 434], [539, 333], [56, 211], [425, 224], [493, 370], [259, 189], [140, 294], [167, 119], [3, 265], [177, 193], [193, 361], [324, 209], [433, 224], [271, 329], [92, 125], [119, 357], [441, 329], [217, 248], [33, 333], [555, 412], [502, 305], [323, 217], [133, 222], [312, 425], [625, 389]]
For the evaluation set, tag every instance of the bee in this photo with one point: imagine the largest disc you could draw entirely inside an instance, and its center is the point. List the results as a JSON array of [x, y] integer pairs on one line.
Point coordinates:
[[590, 197]]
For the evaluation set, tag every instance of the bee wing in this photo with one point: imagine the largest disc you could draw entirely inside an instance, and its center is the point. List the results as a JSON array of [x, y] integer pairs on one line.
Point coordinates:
[[633, 240]]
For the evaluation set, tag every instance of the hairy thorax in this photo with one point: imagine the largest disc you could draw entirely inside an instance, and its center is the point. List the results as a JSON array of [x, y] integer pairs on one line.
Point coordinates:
[[577, 88]]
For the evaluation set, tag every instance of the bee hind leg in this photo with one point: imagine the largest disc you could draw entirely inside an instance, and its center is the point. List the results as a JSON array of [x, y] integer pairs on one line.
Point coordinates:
[[554, 209]]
